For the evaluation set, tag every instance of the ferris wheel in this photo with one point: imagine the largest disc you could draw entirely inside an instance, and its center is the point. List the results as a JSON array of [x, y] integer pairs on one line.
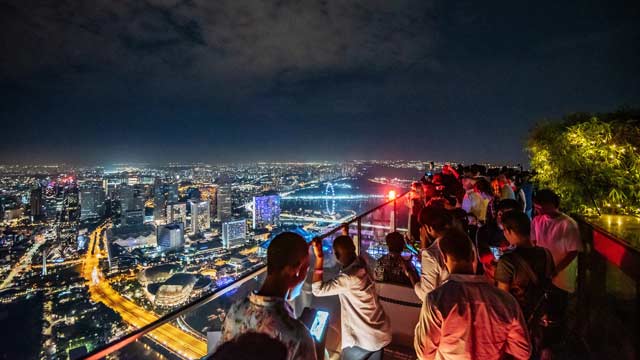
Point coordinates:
[[330, 199]]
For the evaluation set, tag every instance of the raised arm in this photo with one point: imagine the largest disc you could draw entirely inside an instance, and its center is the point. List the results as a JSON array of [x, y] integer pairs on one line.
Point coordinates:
[[334, 286]]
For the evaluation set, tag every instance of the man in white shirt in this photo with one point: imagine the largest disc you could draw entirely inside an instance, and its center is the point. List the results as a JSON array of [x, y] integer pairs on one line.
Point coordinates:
[[434, 222], [560, 234], [466, 317], [365, 327]]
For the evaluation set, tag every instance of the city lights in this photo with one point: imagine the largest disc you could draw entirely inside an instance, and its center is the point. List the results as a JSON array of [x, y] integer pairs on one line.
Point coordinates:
[[134, 243]]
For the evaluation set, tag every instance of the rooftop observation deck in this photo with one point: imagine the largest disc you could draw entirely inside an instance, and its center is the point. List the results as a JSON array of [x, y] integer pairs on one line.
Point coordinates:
[[606, 314]]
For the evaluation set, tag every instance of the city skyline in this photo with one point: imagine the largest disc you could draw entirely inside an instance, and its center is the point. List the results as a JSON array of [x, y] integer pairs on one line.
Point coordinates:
[[112, 251], [162, 81]]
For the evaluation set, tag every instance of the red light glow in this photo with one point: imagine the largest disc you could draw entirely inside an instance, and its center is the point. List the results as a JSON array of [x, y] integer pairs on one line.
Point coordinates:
[[392, 194]]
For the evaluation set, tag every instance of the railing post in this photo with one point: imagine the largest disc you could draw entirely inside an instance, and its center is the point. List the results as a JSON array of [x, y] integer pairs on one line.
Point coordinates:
[[393, 217], [359, 230]]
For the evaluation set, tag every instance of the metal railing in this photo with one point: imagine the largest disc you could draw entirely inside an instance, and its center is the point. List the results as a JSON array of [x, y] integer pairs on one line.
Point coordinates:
[[133, 336]]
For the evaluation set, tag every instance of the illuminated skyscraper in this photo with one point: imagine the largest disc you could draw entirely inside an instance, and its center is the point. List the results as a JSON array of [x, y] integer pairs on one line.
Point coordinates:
[[163, 194], [130, 198], [158, 201], [208, 192], [170, 236], [71, 203], [200, 217], [91, 202], [177, 213], [266, 210], [224, 203], [234, 233], [131, 206], [36, 203]]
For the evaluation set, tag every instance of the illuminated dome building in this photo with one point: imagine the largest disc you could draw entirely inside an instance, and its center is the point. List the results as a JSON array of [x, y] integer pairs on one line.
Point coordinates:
[[174, 291], [157, 274]]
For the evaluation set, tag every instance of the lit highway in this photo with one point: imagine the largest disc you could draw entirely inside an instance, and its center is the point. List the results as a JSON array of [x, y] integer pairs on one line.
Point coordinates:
[[168, 335]]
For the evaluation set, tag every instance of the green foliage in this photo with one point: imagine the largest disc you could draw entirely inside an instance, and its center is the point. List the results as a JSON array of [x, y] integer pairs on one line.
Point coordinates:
[[590, 160]]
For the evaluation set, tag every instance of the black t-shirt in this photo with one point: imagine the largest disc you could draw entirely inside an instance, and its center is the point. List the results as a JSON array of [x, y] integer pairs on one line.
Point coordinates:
[[510, 270]]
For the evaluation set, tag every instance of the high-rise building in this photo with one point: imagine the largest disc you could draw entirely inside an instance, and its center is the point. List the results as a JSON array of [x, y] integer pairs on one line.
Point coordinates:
[[131, 206], [177, 212], [158, 201], [130, 198], [172, 194], [200, 217], [70, 204], [266, 210], [163, 194], [234, 233], [170, 236], [36, 203], [133, 218], [208, 192], [91, 202], [224, 203]]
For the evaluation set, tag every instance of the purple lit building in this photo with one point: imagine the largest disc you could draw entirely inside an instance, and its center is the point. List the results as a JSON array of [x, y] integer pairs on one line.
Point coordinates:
[[266, 210]]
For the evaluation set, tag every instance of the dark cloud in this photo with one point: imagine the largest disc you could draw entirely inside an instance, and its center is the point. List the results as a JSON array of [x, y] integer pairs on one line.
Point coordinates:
[[253, 79], [214, 39]]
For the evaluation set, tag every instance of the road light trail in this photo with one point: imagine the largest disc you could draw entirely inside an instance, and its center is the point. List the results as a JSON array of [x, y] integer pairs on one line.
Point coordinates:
[[167, 335]]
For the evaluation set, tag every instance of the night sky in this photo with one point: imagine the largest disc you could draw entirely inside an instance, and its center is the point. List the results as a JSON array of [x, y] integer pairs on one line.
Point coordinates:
[[103, 81]]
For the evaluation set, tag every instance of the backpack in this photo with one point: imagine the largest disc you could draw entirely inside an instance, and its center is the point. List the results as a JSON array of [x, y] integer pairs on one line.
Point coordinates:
[[540, 304]]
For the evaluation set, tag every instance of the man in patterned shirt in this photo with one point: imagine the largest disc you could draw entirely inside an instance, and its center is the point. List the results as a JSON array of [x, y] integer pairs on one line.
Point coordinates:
[[267, 311], [392, 267]]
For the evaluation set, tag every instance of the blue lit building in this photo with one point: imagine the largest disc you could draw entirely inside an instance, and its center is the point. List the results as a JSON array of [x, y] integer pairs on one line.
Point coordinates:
[[234, 233], [266, 211]]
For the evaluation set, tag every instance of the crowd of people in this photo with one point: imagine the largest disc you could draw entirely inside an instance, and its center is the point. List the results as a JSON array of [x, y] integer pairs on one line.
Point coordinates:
[[498, 267]]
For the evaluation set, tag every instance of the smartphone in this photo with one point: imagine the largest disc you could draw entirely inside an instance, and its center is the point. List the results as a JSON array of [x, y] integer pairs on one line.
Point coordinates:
[[497, 252], [319, 325]]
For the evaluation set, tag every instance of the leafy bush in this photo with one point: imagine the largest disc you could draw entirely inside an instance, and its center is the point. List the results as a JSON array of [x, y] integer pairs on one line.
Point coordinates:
[[591, 161]]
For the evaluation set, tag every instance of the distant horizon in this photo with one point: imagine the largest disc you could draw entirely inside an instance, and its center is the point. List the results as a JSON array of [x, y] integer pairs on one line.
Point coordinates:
[[255, 162]]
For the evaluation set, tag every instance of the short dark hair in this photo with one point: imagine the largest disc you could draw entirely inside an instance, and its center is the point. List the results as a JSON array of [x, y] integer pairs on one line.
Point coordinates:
[[344, 242], [286, 249], [436, 217], [505, 205], [251, 346], [395, 242], [457, 245], [546, 196], [484, 186], [517, 222]]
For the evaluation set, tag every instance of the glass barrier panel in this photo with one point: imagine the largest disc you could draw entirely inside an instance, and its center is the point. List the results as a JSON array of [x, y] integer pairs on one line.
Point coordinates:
[[613, 312], [195, 332]]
